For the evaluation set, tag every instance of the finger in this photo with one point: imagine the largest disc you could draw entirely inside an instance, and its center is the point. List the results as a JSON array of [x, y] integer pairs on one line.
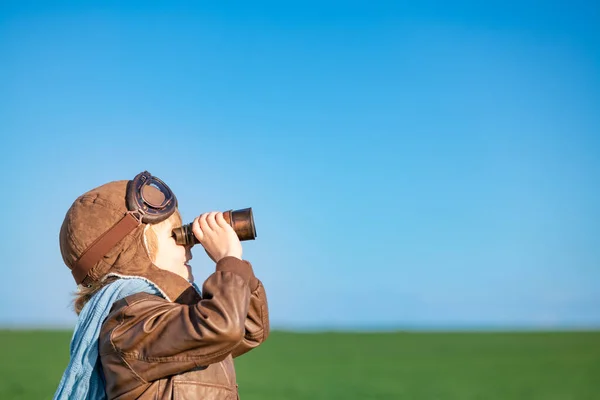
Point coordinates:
[[197, 230], [203, 224], [221, 220], [210, 219]]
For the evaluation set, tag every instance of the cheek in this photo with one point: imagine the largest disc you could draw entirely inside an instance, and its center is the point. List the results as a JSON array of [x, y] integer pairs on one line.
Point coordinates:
[[178, 252]]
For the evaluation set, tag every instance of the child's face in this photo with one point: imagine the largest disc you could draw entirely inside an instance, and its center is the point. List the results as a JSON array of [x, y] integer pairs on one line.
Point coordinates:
[[171, 256]]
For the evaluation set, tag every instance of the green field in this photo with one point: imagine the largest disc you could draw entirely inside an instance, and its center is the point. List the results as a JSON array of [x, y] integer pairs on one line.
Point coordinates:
[[454, 366]]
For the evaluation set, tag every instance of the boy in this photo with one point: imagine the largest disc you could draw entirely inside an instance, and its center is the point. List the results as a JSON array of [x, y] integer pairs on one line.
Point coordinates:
[[145, 332]]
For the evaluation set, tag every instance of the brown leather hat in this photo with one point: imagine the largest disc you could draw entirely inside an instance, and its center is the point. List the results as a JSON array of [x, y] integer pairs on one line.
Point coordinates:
[[92, 215]]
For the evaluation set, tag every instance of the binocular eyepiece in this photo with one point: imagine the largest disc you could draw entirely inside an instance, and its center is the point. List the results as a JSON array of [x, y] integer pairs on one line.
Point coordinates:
[[242, 222]]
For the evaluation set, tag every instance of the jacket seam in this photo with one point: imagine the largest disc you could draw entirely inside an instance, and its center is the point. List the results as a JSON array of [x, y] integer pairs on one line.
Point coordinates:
[[215, 385], [225, 372], [136, 356], [139, 378], [120, 353], [264, 319]]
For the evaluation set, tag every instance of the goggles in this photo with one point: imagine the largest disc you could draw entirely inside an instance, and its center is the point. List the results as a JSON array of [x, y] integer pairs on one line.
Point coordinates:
[[149, 201]]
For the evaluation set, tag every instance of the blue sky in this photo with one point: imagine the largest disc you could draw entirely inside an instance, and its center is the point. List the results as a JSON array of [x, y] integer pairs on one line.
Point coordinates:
[[433, 165]]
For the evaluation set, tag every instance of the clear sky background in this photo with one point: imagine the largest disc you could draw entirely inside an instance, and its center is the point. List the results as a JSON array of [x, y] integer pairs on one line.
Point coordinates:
[[432, 164]]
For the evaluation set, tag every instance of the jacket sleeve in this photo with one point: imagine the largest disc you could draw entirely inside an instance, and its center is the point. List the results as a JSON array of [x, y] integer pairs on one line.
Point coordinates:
[[158, 338], [256, 327]]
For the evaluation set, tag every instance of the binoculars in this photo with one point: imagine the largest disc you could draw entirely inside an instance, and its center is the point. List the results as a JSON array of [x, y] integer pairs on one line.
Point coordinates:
[[242, 222]]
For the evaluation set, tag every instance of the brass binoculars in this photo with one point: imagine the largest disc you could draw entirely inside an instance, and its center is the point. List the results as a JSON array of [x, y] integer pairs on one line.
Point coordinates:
[[242, 222]]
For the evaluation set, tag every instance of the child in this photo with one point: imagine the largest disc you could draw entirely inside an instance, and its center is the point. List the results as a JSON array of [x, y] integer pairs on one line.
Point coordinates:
[[144, 330]]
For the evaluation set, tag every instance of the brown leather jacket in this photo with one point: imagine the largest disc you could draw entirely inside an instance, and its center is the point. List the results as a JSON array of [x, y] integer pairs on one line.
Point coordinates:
[[151, 348]]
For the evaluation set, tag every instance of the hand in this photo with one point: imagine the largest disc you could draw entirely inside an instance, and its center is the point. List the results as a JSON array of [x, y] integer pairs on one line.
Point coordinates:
[[216, 236]]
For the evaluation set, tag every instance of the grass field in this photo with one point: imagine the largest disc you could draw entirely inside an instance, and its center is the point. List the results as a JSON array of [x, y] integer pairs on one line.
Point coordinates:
[[454, 366]]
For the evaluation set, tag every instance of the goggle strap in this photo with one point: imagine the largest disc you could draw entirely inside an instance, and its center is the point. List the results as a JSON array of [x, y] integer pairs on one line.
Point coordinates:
[[104, 244]]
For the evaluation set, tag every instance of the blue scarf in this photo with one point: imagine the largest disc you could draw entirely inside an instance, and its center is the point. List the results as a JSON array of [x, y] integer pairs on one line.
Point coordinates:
[[83, 378]]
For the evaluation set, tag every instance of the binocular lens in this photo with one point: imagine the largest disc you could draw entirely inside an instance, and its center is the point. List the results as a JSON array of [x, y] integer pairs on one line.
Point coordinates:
[[242, 222]]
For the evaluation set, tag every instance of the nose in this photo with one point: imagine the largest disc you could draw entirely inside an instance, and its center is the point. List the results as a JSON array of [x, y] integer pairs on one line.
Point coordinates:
[[188, 252]]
